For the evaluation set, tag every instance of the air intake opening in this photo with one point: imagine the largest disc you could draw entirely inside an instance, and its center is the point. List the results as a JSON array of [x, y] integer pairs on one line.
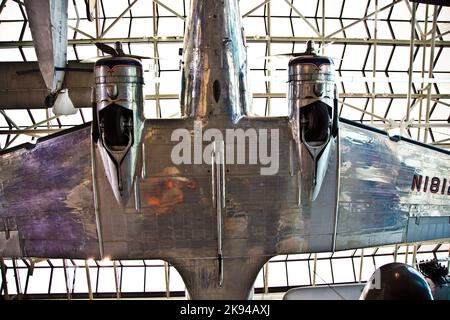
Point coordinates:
[[216, 90], [116, 124], [315, 122]]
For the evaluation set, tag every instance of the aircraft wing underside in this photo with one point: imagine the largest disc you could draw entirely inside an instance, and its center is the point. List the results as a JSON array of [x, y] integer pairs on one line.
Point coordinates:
[[381, 199], [49, 206]]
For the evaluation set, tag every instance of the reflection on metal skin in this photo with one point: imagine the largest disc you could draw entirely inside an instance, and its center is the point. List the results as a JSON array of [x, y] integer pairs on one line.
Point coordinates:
[[214, 79], [314, 120], [48, 26], [118, 112]]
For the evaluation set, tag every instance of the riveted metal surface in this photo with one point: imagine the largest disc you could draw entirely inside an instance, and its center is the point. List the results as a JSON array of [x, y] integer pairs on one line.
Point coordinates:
[[376, 199]]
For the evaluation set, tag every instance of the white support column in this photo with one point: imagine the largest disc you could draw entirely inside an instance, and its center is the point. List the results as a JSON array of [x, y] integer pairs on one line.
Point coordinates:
[[266, 278], [430, 71], [167, 278], [374, 67], [411, 59], [314, 270], [116, 279], [66, 278], [88, 279], [361, 266]]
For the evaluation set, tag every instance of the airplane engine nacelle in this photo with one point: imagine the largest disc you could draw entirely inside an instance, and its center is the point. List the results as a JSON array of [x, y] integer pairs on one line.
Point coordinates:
[[314, 116], [119, 120]]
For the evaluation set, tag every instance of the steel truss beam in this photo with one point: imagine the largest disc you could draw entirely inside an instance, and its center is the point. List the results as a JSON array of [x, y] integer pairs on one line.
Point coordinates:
[[250, 39]]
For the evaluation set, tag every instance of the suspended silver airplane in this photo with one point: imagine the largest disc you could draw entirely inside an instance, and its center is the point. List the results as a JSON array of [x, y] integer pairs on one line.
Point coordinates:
[[218, 192]]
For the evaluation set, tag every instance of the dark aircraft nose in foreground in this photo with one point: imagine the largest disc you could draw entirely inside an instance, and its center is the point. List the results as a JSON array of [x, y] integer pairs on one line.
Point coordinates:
[[396, 281]]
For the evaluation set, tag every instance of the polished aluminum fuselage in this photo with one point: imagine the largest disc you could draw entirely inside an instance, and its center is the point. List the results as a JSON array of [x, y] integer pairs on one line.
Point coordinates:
[[64, 206], [215, 59]]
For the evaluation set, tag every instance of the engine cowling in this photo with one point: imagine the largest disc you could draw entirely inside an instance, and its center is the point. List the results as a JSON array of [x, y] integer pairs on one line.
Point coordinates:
[[314, 116], [119, 120]]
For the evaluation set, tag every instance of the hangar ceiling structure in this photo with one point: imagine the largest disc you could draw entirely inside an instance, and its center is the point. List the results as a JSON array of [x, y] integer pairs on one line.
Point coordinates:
[[390, 76], [372, 42], [80, 279]]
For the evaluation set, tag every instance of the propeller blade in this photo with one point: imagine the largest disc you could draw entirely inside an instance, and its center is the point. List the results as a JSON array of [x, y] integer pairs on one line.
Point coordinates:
[[106, 49], [94, 59], [291, 55], [141, 57], [90, 7]]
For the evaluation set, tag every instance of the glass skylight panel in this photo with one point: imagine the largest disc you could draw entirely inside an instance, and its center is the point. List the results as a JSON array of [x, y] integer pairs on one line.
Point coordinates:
[[277, 274], [332, 8], [154, 263], [342, 270], [143, 9], [343, 253], [279, 107], [58, 284], [141, 27], [155, 280], [119, 29], [402, 30], [324, 255], [170, 27], [177, 7], [259, 282], [398, 109], [38, 282], [30, 54], [254, 26], [71, 119], [301, 28], [323, 271], [10, 31], [280, 8], [80, 285], [150, 109], [383, 55], [401, 11], [354, 9], [298, 273], [170, 108], [176, 282], [85, 26], [354, 57], [257, 81], [307, 8], [10, 54], [399, 86], [133, 279], [168, 52], [11, 11], [279, 258], [442, 64], [106, 281], [440, 112], [351, 113], [382, 260], [259, 106], [332, 25], [86, 52]]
